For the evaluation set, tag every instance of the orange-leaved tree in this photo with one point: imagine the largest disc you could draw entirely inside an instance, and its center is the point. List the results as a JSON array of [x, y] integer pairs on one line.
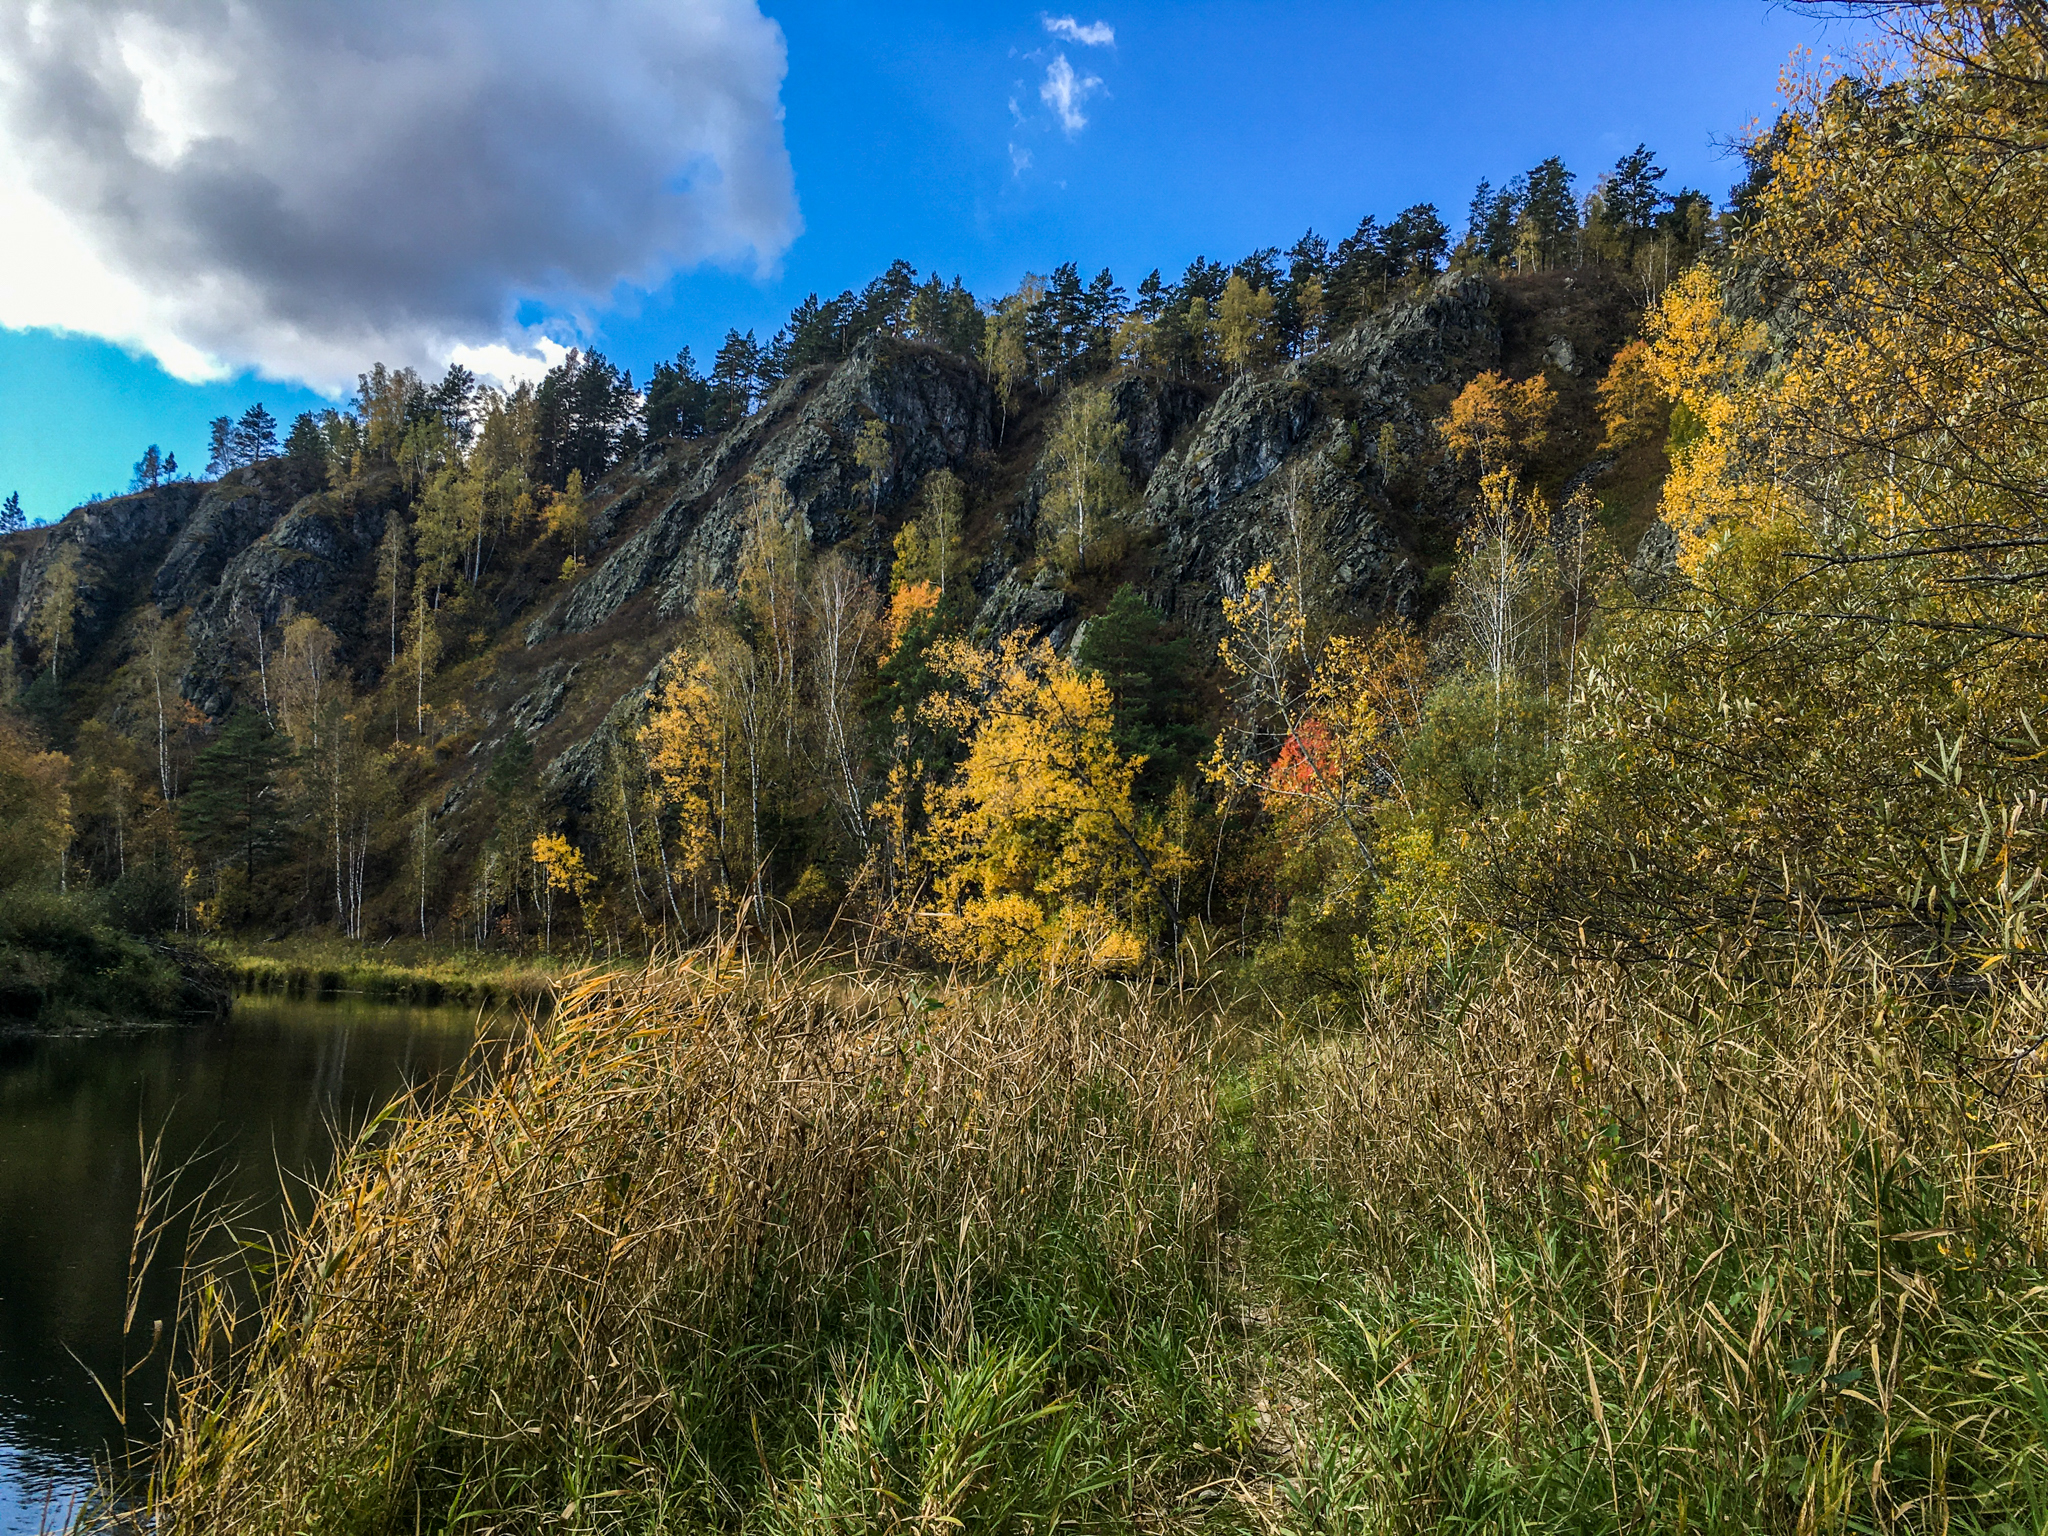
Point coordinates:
[[1499, 423]]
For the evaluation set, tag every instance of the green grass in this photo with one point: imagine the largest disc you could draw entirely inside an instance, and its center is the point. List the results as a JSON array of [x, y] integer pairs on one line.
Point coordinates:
[[403, 971]]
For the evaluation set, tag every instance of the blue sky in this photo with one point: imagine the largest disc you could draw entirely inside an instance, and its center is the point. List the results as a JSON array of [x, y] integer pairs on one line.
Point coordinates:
[[924, 131]]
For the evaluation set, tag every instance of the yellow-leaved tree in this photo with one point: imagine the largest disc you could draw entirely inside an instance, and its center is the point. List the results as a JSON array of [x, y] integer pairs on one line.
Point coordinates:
[[1499, 423], [1039, 854], [1827, 722], [684, 738], [562, 870], [1244, 326]]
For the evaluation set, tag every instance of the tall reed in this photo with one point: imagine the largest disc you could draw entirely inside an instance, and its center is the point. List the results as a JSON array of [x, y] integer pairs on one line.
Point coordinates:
[[1571, 1249], [595, 1291], [1600, 1247]]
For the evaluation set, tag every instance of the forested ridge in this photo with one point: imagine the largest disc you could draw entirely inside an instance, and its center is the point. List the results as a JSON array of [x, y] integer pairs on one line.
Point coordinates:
[[584, 659]]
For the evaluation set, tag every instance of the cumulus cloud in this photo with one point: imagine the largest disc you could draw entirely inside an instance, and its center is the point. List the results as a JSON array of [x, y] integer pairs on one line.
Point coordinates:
[[1064, 91], [1096, 34], [301, 186]]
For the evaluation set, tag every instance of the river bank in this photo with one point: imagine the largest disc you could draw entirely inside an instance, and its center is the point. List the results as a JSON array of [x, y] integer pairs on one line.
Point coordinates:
[[64, 967], [411, 973], [795, 1250]]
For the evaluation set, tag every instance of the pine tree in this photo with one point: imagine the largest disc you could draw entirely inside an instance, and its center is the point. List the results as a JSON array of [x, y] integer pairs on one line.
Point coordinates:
[[1152, 678], [255, 436], [306, 444], [678, 399], [233, 812], [1548, 220], [1630, 197], [221, 447], [735, 379], [149, 470], [12, 518]]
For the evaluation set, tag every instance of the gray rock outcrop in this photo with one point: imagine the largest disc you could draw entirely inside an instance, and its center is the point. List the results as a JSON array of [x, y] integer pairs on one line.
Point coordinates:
[[939, 410]]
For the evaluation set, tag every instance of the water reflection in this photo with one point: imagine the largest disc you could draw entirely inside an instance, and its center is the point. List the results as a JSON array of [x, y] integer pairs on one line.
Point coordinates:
[[250, 1108]]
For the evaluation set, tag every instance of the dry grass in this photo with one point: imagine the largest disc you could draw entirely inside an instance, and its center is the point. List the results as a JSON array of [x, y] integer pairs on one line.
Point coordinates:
[[409, 972], [1565, 1251], [1623, 1253], [615, 1287]]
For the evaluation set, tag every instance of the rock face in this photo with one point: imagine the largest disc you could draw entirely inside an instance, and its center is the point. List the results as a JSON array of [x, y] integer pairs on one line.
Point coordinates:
[[1242, 439], [1036, 608], [318, 558], [939, 409], [118, 543], [1278, 462], [1154, 413], [258, 544]]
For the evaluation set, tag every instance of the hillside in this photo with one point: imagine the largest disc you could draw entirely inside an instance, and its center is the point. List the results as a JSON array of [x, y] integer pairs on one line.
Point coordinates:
[[1213, 468]]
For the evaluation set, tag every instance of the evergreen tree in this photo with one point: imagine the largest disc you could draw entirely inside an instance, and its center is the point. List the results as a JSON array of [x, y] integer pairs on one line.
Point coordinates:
[[233, 813], [1630, 197], [946, 317], [306, 444], [885, 303], [1302, 297], [813, 334], [1414, 245], [12, 518], [254, 437], [149, 470], [454, 400], [735, 379], [585, 417], [1204, 280], [1549, 216], [1152, 297], [1151, 676], [1490, 221], [678, 399], [221, 447]]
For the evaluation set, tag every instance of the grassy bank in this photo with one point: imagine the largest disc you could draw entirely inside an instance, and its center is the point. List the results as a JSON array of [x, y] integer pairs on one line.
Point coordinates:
[[1576, 1251], [401, 972], [64, 965]]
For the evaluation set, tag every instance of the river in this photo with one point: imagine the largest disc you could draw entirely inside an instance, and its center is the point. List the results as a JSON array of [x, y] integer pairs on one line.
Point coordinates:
[[250, 1108]]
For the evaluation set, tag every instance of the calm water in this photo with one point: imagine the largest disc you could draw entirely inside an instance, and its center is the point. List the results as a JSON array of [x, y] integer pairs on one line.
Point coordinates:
[[252, 1105]]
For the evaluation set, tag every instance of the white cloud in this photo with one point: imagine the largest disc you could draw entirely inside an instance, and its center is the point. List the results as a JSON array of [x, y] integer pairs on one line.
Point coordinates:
[[305, 187], [1096, 34], [507, 366], [1064, 91], [1020, 159]]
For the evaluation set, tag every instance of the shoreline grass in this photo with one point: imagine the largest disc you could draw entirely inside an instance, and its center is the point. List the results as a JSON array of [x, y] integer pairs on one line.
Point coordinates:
[[406, 972], [730, 1249]]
